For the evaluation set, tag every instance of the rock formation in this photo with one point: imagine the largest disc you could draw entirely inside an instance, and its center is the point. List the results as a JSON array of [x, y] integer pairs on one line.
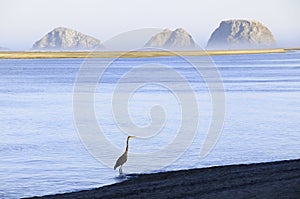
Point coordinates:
[[177, 39], [66, 39], [241, 34]]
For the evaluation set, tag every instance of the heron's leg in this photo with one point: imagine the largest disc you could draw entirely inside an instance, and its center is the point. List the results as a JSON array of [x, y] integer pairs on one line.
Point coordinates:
[[120, 170]]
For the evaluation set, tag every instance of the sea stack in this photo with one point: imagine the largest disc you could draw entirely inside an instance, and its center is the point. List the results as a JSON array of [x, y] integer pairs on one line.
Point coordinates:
[[66, 39], [241, 34], [178, 39]]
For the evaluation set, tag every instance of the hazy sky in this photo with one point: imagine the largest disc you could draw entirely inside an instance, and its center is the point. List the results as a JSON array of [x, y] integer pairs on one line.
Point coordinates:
[[24, 22]]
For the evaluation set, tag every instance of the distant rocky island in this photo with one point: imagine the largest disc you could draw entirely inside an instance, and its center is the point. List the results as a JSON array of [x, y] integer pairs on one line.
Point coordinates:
[[66, 39], [177, 39], [241, 34], [230, 35]]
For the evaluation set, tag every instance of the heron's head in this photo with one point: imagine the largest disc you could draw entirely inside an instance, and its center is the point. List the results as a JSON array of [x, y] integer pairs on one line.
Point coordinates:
[[128, 138]]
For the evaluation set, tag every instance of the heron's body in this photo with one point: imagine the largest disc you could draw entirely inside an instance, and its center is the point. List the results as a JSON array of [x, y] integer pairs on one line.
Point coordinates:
[[123, 158]]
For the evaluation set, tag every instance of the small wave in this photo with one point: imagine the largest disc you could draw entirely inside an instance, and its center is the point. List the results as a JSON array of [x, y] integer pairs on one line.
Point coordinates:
[[17, 147]]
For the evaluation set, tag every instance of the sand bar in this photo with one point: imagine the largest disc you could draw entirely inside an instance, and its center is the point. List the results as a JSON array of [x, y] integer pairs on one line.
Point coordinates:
[[131, 54]]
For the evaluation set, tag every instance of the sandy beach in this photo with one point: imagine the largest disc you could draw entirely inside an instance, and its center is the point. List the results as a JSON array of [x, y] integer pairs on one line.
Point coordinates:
[[131, 54], [263, 180]]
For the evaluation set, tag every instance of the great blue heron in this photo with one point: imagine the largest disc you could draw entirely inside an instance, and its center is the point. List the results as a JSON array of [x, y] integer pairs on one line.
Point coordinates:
[[123, 158]]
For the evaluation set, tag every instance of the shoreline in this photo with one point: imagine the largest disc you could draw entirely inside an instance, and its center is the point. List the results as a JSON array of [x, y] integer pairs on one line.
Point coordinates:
[[131, 54], [280, 179]]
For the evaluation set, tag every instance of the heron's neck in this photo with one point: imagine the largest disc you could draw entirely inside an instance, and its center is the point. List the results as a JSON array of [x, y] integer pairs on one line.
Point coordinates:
[[126, 151]]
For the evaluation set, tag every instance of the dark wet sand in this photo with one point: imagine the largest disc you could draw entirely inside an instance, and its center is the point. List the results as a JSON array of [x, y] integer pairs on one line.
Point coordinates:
[[264, 180]]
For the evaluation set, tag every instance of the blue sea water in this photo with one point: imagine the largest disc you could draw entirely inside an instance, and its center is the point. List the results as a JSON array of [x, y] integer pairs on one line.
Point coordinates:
[[41, 152]]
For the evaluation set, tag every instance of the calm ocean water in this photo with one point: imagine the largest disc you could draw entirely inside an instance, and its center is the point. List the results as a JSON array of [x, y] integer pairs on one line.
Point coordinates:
[[41, 152]]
